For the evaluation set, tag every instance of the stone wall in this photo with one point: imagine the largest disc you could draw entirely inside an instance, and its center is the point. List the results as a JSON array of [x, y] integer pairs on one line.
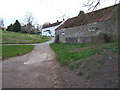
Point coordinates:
[[96, 32]]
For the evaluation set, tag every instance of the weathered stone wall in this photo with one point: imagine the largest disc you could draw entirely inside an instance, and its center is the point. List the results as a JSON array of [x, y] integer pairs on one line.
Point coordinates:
[[97, 32], [119, 22]]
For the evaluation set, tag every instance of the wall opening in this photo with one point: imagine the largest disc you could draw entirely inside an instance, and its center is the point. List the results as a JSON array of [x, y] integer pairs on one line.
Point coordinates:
[[56, 39]]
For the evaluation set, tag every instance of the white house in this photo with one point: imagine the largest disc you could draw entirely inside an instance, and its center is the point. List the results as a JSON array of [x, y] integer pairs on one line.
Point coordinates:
[[49, 30]]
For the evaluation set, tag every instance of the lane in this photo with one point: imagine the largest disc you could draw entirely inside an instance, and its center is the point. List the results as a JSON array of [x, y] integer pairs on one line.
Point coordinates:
[[33, 70]]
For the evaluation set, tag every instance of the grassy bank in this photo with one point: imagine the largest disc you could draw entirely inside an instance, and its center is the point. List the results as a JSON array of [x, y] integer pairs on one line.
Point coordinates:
[[64, 56], [13, 37], [14, 50], [0, 50], [67, 53], [97, 64]]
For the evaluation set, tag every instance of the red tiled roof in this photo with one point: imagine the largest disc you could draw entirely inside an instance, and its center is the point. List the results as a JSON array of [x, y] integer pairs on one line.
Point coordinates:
[[53, 24], [95, 16]]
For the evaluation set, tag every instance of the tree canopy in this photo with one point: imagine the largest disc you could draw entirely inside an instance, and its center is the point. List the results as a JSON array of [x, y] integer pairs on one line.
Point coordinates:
[[16, 27], [10, 28]]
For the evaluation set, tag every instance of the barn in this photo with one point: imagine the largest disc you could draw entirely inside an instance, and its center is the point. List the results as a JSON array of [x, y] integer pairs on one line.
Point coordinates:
[[100, 26]]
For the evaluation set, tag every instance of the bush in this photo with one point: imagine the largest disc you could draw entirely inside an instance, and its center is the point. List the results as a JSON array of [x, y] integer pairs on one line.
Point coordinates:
[[33, 31]]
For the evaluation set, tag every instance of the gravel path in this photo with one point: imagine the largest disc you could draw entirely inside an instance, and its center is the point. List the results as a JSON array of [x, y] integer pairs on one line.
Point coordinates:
[[37, 69]]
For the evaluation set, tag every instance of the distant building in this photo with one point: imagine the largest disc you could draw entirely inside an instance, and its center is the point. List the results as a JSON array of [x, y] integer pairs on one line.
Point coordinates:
[[49, 30], [99, 26]]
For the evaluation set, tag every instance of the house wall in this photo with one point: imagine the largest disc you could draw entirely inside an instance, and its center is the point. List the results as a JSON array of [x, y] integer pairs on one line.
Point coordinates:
[[52, 29], [46, 33], [106, 31]]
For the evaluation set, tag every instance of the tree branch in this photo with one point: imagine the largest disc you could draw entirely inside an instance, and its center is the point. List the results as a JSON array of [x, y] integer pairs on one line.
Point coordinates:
[[90, 4]]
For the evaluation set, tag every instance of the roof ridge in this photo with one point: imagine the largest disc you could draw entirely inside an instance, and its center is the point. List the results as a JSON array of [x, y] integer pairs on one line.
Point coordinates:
[[95, 16], [53, 24]]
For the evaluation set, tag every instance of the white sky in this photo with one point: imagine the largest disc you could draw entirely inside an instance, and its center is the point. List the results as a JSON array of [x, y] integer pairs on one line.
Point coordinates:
[[43, 10]]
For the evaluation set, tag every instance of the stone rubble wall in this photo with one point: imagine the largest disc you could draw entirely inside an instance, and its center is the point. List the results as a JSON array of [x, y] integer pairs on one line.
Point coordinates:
[[106, 31]]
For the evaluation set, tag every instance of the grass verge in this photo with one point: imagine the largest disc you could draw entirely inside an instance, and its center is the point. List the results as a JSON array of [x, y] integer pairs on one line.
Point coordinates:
[[13, 37], [14, 50], [65, 57]]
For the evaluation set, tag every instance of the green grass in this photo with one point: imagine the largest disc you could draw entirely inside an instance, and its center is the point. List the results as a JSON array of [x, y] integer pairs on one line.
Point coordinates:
[[113, 47], [14, 50], [65, 57], [0, 50], [0, 36], [75, 65], [13, 37]]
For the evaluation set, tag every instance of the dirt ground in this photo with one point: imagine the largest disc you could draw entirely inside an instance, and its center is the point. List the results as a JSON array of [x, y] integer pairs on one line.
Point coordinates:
[[33, 70], [99, 71], [40, 69]]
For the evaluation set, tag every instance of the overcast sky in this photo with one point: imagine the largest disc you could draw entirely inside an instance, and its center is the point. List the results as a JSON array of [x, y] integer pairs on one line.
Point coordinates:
[[43, 10]]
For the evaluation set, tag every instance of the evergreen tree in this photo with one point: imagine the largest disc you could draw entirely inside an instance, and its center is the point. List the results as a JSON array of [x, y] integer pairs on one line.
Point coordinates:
[[16, 26], [10, 28]]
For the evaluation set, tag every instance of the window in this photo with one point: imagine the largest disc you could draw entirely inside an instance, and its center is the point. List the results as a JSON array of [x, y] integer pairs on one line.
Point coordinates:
[[63, 32]]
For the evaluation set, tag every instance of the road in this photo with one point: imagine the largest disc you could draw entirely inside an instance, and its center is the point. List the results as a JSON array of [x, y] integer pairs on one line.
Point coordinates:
[[37, 69]]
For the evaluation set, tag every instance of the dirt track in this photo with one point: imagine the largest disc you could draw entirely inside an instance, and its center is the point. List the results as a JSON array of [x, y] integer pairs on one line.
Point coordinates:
[[36, 69]]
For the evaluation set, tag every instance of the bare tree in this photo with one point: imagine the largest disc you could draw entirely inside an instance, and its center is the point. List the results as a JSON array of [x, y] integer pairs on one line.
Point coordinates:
[[1, 23], [63, 14], [39, 27], [93, 4], [117, 1], [46, 24], [29, 18]]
